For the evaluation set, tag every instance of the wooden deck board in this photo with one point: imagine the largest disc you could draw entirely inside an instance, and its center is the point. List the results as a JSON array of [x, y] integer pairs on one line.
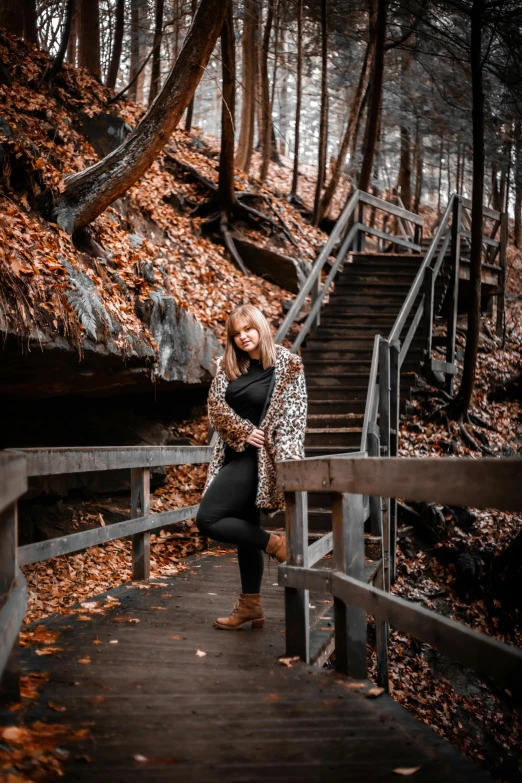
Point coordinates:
[[235, 714]]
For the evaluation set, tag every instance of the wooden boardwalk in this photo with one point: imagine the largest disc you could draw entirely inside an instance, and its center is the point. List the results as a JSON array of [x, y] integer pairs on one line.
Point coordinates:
[[157, 711]]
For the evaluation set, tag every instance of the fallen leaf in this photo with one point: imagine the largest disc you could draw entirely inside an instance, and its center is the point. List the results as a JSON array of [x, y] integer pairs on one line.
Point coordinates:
[[84, 757], [176, 636], [289, 661], [406, 770], [271, 697], [89, 605], [374, 692], [200, 653], [355, 685], [113, 641], [139, 758], [85, 660], [48, 650], [57, 707], [14, 734]]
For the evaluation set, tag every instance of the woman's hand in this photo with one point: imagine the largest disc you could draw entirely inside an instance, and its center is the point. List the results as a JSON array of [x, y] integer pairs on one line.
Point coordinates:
[[256, 438]]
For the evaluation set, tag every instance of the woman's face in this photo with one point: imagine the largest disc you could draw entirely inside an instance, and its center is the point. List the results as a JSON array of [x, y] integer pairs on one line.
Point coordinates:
[[246, 337]]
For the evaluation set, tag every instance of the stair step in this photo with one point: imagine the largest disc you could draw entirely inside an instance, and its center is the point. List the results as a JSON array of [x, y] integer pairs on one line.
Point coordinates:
[[325, 451], [334, 420], [357, 347], [341, 367], [338, 393], [339, 436], [346, 379], [336, 406]]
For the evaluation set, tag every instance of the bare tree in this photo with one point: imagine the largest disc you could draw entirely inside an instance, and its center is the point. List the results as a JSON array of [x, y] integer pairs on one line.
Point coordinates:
[[375, 97], [299, 85], [249, 80], [156, 53], [89, 36], [88, 193], [323, 122], [117, 43]]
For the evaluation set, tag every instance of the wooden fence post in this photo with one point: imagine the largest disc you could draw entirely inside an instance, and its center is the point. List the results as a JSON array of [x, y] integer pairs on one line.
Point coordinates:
[[502, 277], [453, 292], [375, 503], [297, 601], [381, 639], [140, 507], [314, 294], [361, 236], [428, 313], [348, 557], [395, 392], [9, 668], [384, 429]]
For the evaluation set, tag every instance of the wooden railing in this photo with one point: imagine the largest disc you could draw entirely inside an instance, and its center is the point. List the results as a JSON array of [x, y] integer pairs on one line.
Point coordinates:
[[17, 465], [348, 235], [13, 588], [481, 483]]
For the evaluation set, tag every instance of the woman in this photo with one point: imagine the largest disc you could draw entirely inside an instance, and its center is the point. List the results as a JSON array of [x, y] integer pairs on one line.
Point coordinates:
[[257, 406]]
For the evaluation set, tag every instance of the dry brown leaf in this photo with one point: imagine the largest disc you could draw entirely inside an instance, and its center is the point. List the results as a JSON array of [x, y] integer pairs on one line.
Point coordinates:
[[406, 770], [373, 693], [85, 660], [57, 707]]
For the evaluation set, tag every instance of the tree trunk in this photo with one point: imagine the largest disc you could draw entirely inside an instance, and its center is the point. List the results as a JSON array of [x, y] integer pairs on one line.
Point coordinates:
[[350, 130], [518, 184], [249, 80], [419, 164], [156, 51], [299, 87], [72, 46], [283, 98], [375, 98], [135, 63], [30, 28], [58, 60], [441, 155], [114, 65], [190, 107], [404, 177], [266, 133], [88, 193], [477, 197], [495, 192], [323, 123], [11, 18], [89, 36], [225, 193]]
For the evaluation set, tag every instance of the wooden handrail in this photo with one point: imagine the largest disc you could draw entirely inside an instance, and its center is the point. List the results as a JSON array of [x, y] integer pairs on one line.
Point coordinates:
[[370, 409], [487, 211], [392, 209]]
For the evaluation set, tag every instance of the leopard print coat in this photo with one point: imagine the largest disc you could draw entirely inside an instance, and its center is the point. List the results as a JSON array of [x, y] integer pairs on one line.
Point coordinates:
[[283, 424]]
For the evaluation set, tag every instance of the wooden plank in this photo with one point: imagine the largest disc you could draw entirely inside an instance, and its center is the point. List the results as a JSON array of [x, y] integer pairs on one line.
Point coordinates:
[[487, 211], [453, 293], [51, 462], [316, 580], [297, 601], [320, 548], [485, 240], [480, 483], [429, 282], [370, 409], [407, 243], [392, 209], [439, 366], [348, 558], [140, 507], [411, 332], [8, 548], [42, 550], [319, 466], [11, 617], [381, 639], [13, 478], [384, 433], [395, 393], [500, 661]]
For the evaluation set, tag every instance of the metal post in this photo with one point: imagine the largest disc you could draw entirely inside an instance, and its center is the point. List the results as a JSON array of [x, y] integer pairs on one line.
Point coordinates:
[[502, 277], [361, 236], [140, 507], [9, 669], [348, 557], [395, 391], [384, 428], [297, 601], [313, 298], [375, 502], [453, 292]]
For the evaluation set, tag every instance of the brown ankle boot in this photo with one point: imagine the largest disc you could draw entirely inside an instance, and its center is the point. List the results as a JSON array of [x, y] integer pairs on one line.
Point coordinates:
[[247, 609], [277, 547]]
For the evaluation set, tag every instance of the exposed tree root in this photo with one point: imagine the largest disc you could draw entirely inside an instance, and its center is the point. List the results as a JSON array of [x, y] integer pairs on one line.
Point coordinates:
[[229, 243]]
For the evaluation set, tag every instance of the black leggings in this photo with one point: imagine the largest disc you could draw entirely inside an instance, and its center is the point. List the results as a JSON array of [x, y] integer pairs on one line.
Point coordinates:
[[228, 513]]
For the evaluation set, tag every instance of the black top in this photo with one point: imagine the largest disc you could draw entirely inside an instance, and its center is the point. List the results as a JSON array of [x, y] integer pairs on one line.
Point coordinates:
[[247, 396]]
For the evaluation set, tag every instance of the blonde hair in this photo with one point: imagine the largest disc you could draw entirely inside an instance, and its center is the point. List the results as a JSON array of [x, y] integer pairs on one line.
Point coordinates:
[[235, 361]]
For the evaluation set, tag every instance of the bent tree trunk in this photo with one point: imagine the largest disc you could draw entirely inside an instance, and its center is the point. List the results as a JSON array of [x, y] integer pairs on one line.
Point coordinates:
[[477, 195], [88, 193]]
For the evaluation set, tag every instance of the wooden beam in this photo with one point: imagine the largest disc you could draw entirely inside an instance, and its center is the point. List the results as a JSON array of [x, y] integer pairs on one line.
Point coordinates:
[[11, 617], [392, 209], [487, 211], [297, 601], [42, 550], [140, 507], [391, 237], [500, 661], [485, 240], [481, 483], [13, 478], [437, 365], [348, 558], [51, 462], [319, 549]]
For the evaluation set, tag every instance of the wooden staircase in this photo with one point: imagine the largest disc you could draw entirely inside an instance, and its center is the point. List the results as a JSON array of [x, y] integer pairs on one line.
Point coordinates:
[[368, 295]]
